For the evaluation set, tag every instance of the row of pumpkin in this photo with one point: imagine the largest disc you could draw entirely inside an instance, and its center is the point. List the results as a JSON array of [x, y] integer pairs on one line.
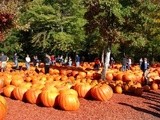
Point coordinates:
[[62, 87]]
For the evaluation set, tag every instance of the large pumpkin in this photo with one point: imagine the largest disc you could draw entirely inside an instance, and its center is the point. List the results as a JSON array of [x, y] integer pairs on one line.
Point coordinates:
[[3, 108], [128, 77], [82, 89], [3, 101], [102, 92], [7, 90], [68, 101], [48, 98], [32, 94], [18, 93], [68, 92]]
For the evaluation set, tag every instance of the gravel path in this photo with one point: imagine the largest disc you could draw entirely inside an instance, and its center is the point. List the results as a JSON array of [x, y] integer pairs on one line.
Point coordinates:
[[120, 107]]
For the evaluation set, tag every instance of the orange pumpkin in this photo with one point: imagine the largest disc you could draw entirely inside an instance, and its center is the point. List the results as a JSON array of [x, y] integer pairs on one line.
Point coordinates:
[[118, 89], [2, 111], [18, 93], [1, 83], [48, 98], [68, 102], [154, 86], [109, 76], [102, 92], [128, 77], [7, 90], [69, 91], [82, 89], [32, 94], [3, 108]]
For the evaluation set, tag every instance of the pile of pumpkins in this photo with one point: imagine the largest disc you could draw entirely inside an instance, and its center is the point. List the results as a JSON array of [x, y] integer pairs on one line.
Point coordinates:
[[63, 86], [52, 90]]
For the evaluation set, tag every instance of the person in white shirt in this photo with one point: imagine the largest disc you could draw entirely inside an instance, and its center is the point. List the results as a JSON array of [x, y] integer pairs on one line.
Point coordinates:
[[28, 60], [129, 63]]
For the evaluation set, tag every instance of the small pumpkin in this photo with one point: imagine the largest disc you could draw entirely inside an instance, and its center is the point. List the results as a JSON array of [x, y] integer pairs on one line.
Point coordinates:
[[118, 89], [138, 91], [154, 86], [146, 88]]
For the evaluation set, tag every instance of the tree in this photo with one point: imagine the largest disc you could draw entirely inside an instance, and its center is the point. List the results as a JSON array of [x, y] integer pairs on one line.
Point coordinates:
[[55, 25], [122, 22], [104, 17]]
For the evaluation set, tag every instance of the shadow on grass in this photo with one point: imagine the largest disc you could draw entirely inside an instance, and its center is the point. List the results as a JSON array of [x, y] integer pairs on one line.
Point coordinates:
[[156, 114]]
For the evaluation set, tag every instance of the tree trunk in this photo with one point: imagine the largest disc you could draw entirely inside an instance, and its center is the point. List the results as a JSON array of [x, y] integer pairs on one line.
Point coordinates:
[[106, 64], [102, 58]]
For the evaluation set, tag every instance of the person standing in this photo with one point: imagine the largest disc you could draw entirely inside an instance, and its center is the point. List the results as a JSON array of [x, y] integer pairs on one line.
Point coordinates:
[[129, 63], [3, 60], [70, 61], [77, 60], [112, 62], [28, 60], [140, 61], [124, 63], [144, 68], [53, 59], [47, 63], [15, 60], [97, 64]]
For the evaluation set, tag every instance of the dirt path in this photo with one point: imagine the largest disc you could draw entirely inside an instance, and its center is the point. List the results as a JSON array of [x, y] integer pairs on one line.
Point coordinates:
[[120, 107]]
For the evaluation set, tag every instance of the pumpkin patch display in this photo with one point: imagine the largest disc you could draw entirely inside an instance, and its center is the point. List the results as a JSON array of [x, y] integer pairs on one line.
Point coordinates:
[[63, 86]]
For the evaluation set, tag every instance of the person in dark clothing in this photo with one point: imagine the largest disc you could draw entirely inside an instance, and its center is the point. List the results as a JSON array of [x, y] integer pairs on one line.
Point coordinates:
[[35, 61], [77, 60], [47, 63], [124, 63], [97, 64], [144, 67]]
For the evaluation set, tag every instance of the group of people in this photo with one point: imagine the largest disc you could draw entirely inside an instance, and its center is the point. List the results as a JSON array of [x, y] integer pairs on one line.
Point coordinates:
[[50, 60], [126, 63], [4, 59]]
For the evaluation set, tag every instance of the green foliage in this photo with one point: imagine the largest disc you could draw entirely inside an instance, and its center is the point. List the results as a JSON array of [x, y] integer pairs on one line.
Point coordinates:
[[90, 26], [55, 24]]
